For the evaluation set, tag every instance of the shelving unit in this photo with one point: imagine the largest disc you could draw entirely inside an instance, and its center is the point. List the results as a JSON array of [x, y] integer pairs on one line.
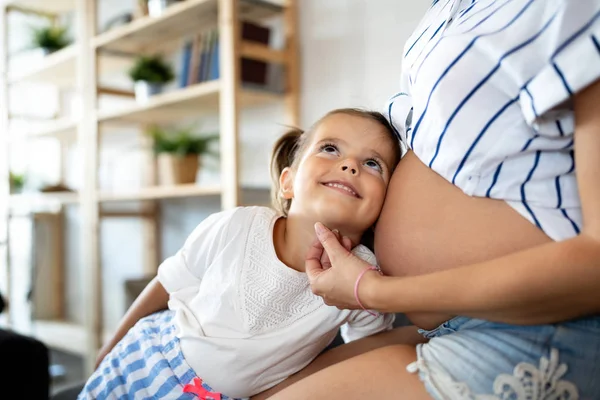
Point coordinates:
[[30, 200], [161, 192], [81, 66], [60, 68], [42, 6]]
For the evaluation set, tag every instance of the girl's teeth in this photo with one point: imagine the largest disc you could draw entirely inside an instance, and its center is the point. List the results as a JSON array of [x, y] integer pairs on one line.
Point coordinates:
[[347, 189]]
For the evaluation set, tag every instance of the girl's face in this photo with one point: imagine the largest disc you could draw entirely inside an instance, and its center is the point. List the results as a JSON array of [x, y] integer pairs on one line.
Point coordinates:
[[342, 177]]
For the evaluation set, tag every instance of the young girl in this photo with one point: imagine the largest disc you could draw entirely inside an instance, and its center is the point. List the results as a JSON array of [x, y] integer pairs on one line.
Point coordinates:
[[242, 316]]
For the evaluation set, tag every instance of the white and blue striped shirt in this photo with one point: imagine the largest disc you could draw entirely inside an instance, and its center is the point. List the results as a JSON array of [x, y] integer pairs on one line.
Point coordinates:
[[486, 100]]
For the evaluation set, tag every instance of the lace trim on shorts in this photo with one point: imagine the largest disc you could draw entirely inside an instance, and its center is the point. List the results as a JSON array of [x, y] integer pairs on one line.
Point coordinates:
[[527, 382]]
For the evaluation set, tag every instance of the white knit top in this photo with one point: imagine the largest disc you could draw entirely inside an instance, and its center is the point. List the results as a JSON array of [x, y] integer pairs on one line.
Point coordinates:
[[246, 321]]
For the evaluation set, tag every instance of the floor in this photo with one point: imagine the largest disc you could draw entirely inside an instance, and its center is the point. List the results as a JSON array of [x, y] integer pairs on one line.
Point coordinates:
[[67, 370]]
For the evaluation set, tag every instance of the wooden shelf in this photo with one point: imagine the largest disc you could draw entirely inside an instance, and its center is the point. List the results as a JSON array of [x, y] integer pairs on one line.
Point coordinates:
[[59, 68], [41, 200], [45, 6], [61, 335], [167, 105], [162, 192], [178, 20], [56, 334], [61, 127], [196, 100], [261, 52]]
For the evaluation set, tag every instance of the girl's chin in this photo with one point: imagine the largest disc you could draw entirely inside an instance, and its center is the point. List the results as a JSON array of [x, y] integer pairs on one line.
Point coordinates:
[[344, 222]]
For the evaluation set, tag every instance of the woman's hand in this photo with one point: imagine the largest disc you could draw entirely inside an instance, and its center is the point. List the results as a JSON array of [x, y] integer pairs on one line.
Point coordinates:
[[333, 270]]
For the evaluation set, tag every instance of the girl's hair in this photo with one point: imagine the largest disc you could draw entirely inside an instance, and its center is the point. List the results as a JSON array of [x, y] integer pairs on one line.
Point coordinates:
[[288, 150]]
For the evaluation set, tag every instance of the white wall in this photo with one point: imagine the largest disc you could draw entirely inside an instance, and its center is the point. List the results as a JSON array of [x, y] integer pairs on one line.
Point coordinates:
[[350, 52]]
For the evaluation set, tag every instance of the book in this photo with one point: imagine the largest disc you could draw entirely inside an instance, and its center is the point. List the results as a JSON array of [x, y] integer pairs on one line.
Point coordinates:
[[195, 60], [186, 56], [214, 59], [201, 59], [204, 57]]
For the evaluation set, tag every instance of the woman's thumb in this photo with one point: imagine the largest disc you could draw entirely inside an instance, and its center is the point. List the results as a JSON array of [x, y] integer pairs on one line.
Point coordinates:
[[330, 242]]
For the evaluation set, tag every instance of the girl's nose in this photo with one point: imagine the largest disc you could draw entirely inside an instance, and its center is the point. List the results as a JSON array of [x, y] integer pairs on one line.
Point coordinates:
[[350, 168]]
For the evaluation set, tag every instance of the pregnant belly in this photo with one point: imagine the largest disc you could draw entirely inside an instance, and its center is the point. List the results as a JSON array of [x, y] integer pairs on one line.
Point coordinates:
[[427, 224]]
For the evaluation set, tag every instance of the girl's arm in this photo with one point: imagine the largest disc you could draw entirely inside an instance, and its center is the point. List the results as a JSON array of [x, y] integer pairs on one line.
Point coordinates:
[[153, 298], [545, 284]]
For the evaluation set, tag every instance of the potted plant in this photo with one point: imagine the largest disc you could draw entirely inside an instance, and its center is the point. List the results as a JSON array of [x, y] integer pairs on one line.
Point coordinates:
[[179, 153], [157, 7], [50, 38], [16, 182], [150, 74]]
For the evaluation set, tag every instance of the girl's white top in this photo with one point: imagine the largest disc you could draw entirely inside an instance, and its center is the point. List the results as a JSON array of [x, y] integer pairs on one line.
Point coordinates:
[[246, 321], [487, 100]]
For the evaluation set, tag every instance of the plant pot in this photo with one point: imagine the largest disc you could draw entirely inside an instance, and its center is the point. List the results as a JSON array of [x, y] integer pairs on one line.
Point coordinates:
[[157, 7], [174, 170], [144, 90]]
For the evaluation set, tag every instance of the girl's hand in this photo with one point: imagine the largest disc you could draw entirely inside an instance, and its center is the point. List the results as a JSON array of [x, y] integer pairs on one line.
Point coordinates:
[[103, 353], [335, 281]]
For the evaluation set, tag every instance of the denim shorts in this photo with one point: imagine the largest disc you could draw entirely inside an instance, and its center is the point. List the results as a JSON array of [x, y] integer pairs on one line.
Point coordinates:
[[474, 359]]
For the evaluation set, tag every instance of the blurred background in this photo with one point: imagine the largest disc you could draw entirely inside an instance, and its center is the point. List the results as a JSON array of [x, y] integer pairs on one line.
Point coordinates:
[[124, 123]]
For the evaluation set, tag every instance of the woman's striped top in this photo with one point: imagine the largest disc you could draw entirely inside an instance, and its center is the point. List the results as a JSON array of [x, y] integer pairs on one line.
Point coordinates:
[[486, 100]]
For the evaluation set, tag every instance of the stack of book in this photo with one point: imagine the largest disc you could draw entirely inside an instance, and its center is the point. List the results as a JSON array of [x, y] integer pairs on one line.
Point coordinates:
[[200, 60]]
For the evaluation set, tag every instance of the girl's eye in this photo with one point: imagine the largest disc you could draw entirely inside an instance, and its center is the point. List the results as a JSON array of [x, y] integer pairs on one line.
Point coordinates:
[[374, 164], [329, 148]]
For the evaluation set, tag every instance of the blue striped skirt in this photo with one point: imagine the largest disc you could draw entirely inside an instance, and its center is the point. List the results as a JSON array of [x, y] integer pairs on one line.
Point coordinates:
[[147, 364]]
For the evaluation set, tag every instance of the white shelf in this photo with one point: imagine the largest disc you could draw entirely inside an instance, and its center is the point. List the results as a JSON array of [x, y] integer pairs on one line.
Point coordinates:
[[178, 21], [162, 192], [59, 68], [56, 334], [53, 128], [40, 202], [66, 336], [170, 105], [47, 6], [195, 100]]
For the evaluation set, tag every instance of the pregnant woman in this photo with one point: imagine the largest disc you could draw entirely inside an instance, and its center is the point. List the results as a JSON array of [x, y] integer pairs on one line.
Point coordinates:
[[490, 233]]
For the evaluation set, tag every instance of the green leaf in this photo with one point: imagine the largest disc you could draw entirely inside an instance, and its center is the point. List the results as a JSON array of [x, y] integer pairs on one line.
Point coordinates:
[[50, 37], [151, 69], [181, 142], [17, 181]]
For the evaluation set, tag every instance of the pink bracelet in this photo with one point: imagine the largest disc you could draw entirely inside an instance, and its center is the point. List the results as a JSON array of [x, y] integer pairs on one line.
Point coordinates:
[[370, 268]]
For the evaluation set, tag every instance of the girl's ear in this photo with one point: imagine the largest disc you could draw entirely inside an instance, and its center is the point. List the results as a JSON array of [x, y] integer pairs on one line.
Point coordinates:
[[286, 183]]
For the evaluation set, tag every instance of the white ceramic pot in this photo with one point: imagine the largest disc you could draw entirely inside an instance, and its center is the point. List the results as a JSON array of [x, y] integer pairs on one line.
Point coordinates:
[[144, 90], [157, 7]]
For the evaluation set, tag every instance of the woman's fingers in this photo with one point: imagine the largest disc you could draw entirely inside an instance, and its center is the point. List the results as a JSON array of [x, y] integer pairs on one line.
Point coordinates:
[[335, 284], [325, 261], [346, 242], [330, 243], [312, 262]]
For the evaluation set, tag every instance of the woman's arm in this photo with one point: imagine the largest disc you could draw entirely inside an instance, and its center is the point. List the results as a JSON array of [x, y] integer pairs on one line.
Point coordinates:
[[153, 298], [545, 284]]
